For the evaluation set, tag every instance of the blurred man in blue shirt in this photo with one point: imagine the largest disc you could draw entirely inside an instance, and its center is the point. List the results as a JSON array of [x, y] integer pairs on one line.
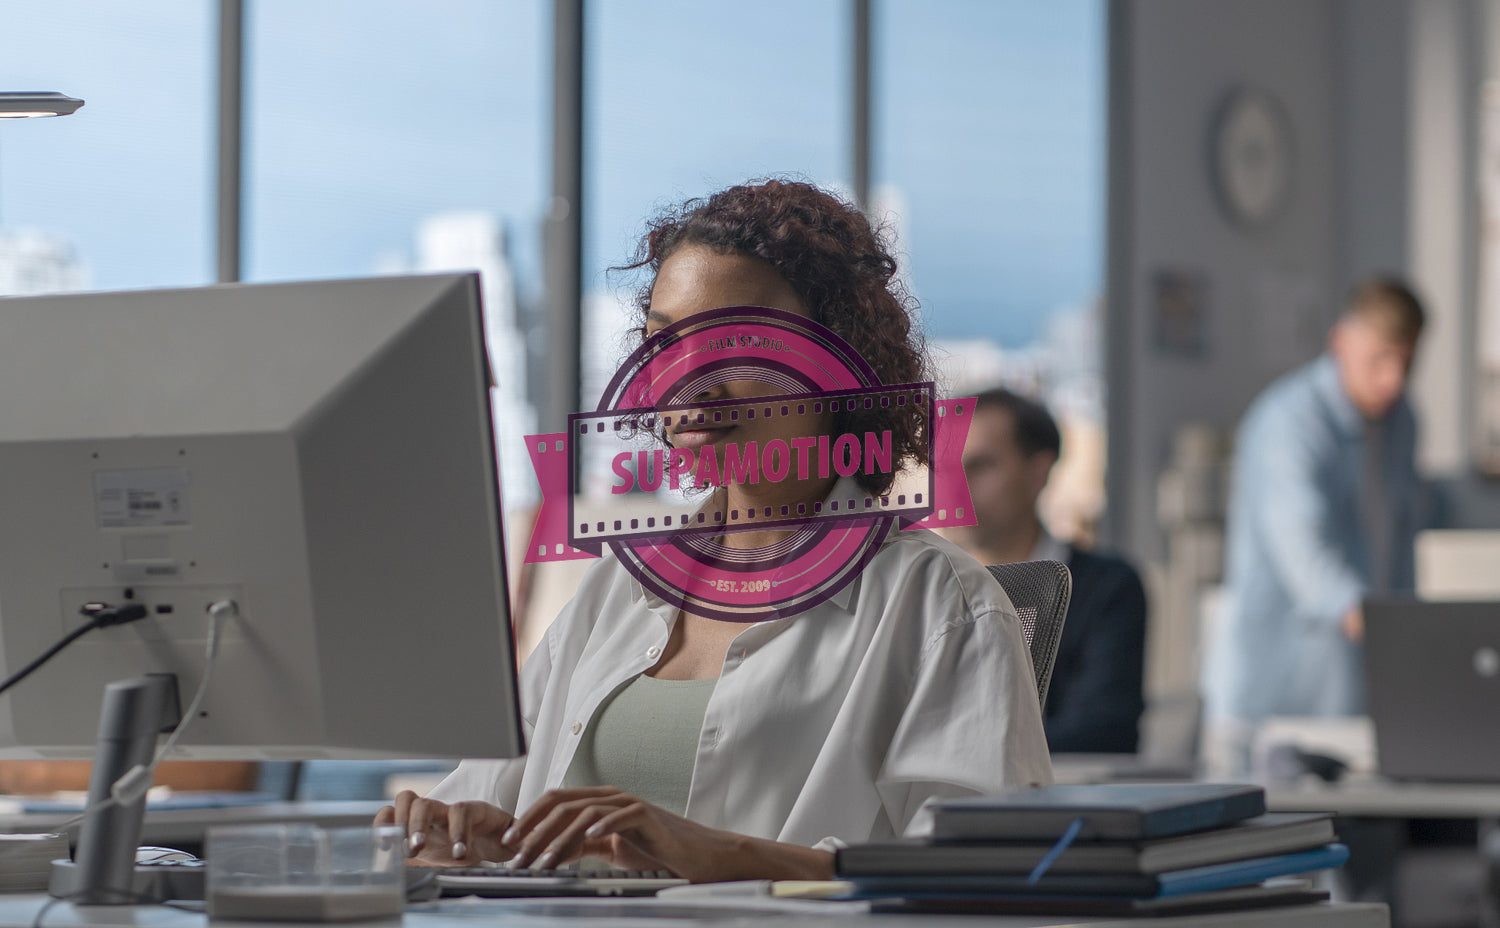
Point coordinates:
[[1322, 513]]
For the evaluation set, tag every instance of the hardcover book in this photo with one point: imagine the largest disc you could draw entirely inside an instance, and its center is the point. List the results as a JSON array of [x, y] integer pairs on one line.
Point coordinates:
[[1106, 885], [1109, 812], [1269, 834]]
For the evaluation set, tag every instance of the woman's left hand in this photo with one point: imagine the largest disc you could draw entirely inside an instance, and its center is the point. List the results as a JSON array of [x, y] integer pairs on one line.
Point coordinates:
[[605, 822]]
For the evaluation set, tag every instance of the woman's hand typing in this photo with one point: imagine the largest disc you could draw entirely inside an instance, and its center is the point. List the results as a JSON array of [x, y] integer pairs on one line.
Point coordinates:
[[608, 823], [440, 834]]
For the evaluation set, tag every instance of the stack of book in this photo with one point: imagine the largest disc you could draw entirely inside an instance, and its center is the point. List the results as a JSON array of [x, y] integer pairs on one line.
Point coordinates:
[[1110, 849], [26, 861]]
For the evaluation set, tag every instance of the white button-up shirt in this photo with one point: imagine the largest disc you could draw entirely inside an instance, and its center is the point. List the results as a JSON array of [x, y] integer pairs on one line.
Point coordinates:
[[832, 726]]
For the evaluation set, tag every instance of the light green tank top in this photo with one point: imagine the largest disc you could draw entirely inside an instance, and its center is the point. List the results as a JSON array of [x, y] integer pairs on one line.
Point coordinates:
[[644, 740]]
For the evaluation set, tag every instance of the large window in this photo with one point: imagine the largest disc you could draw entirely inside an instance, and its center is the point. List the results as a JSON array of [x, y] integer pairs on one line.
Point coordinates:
[[988, 168], [387, 136], [117, 195], [384, 136], [989, 162], [683, 98]]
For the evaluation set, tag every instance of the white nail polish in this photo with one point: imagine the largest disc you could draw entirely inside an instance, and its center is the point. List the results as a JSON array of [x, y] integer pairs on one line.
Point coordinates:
[[460, 850], [595, 830], [544, 862], [416, 839], [509, 837]]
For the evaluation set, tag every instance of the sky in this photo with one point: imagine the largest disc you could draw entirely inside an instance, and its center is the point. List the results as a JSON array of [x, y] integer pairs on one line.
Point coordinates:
[[363, 116]]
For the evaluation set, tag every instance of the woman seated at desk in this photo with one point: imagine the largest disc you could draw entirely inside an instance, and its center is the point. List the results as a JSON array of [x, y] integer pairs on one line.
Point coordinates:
[[720, 750]]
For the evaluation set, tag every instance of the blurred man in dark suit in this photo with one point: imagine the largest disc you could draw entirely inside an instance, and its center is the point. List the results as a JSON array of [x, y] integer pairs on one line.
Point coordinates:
[[1095, 701]]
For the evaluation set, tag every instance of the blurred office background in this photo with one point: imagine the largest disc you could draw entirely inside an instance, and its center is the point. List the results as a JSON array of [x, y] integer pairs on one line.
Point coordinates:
[[1049, 171]]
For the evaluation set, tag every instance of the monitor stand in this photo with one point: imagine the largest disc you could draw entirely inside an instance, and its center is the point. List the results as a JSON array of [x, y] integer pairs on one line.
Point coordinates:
[[135, 711]]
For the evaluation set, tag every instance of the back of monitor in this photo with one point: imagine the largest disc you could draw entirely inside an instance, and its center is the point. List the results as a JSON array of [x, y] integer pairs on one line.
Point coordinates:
[[320, 453]]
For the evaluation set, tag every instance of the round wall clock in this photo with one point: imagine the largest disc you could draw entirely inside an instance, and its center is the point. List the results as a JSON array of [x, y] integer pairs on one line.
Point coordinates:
[[1250, 156]]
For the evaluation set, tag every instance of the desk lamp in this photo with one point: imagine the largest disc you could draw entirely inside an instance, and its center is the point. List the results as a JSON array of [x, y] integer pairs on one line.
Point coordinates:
[[29, 103]]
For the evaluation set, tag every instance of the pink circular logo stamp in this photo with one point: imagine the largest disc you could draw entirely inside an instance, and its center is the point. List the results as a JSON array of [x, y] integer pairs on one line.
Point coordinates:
[[745, 397]]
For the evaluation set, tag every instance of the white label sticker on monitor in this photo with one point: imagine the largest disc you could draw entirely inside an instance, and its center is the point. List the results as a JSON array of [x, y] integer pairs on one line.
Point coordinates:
[[141, 498]]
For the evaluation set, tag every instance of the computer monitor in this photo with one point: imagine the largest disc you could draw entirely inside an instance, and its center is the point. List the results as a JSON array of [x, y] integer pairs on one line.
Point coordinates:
[[1432, 678], [319, 453], [1458, 564]]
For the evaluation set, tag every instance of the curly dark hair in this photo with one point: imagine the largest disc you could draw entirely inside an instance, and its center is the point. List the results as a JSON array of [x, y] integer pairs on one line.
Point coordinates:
[[840, 267]]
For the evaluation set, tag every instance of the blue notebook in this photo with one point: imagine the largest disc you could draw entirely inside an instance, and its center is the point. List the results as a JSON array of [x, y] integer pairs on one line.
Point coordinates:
[[1105, 885], [1110, 812]]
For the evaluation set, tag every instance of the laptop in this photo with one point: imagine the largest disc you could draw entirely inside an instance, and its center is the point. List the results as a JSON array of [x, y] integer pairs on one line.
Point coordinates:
[[1432, 683]]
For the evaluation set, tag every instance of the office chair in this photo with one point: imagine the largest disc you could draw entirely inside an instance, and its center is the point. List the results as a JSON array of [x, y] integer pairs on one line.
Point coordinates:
[[1039, 590]]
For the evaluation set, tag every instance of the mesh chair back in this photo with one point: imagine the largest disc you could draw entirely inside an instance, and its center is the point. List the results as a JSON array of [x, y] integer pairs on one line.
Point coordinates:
[[1039, 590]]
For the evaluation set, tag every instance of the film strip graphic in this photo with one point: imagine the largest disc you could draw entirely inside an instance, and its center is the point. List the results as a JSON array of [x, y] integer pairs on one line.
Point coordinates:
[[679, 482], [562, 534], [663, 471]]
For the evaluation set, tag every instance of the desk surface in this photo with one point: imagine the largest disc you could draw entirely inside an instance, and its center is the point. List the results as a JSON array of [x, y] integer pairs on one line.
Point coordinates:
[[1385, 799], [187, 826], [20, 911], [1362, 796]]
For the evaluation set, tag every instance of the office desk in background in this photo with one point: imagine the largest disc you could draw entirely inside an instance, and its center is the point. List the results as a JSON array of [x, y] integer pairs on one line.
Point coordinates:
[[1120, 768], [185, 828], [1353, 797], [1387, 799], [1391, 826]]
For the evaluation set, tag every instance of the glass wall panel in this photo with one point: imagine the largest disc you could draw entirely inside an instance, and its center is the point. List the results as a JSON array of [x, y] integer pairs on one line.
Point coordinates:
[[989, 162], [683, 98], [389, 136], [120, 194], [385, 136]]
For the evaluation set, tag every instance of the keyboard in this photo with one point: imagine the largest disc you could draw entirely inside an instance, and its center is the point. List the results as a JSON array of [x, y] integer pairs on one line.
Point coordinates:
[[502, 881]]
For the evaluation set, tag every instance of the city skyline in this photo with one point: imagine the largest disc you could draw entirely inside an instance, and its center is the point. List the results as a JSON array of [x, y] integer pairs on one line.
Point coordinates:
[[34, 262], [989, 121], [1064, 369]]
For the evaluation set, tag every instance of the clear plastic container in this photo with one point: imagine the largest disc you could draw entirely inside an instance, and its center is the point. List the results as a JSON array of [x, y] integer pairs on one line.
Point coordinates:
[[305, 873]]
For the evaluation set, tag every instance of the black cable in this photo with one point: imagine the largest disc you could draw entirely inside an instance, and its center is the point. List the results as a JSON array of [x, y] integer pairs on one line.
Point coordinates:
[[47, 907], [100, 616], [26, 671]]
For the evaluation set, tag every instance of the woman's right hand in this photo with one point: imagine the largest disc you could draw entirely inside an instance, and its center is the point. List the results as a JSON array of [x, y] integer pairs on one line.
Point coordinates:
[[439, 834]]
